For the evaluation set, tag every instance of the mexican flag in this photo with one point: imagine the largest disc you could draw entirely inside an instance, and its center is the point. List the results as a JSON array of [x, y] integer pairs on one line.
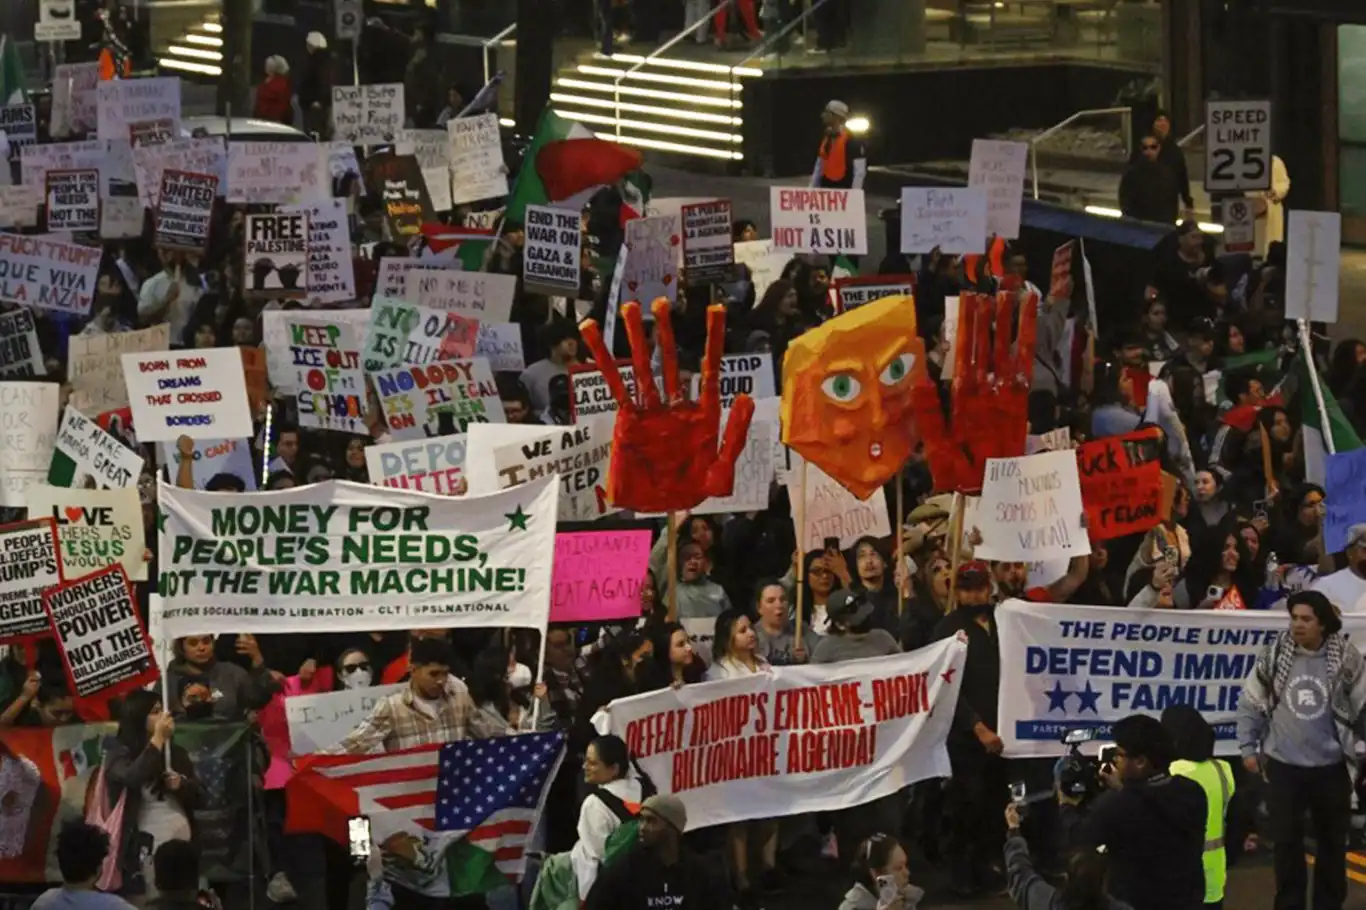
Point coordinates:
[[11, 73], [564, 162], [1317, 430]]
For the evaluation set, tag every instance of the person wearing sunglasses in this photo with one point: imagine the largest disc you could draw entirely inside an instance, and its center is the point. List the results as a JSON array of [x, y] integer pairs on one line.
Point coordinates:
[[1149, 190], [354, 670]]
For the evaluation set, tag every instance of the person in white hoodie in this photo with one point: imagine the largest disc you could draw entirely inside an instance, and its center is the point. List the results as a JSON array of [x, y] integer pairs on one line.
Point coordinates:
[[882, 880]]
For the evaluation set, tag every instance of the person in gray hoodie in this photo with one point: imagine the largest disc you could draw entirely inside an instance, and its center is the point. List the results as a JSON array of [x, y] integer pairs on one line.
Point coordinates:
[[881, 878], [1087, 877], [773, 627], [232, 691], [1299, 720]]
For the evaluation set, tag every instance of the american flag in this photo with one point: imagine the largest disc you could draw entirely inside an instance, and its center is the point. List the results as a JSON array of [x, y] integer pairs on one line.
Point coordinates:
[[488, 792]]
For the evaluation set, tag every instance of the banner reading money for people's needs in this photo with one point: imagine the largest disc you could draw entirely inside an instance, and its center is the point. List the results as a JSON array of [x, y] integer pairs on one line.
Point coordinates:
[[799, 739], [356, 557]]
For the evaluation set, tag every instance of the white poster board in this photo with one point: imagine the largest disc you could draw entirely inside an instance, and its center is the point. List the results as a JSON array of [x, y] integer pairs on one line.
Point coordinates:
[[815, 220], [951, 219]]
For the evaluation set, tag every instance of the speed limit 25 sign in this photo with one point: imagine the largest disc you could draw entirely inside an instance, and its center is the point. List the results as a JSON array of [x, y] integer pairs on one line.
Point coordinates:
[[1237, 146]]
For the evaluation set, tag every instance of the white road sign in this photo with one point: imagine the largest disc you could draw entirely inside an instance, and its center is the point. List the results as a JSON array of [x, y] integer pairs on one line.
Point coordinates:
[[1237, 146]]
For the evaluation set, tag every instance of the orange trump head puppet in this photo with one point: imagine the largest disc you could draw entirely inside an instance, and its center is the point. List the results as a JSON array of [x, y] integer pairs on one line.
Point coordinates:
[[847, 393]]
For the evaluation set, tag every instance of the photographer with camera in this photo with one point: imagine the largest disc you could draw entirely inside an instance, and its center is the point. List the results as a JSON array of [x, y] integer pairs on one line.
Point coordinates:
[[1297, 720], [1151, 823], [1086, 886]]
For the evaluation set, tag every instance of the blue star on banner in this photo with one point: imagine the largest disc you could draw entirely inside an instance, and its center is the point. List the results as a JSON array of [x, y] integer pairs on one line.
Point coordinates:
[[1089, 698], [478, 777], [1057, 697]]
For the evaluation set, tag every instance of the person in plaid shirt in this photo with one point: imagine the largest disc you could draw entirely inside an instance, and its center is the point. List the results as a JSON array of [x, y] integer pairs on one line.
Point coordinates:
[[434, 708]]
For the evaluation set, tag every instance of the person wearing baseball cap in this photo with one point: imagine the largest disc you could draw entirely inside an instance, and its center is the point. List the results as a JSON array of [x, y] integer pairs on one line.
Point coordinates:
[[853, 633], [1346, 588], [660, 870], [1297, 720], [842, 161]]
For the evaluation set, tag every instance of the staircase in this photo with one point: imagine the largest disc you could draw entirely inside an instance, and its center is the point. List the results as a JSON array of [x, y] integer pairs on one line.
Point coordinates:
[[190, 44], [669, 104]]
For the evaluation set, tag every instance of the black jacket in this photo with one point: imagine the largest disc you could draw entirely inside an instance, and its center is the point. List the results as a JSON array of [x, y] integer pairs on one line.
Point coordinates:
[[126, 772], [1170, 154], [315, 83], [1148, 191], [638, 881], [981, 674], [1154, 833]]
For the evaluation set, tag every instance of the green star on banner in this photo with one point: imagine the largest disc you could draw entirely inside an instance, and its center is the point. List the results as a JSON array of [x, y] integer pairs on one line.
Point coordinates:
[[517, 520]]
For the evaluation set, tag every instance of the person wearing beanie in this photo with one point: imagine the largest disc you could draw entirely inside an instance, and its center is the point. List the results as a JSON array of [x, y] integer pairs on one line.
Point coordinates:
[[842, 160], [315, 86], [1297, 717], [660, 870], [1150, 822]]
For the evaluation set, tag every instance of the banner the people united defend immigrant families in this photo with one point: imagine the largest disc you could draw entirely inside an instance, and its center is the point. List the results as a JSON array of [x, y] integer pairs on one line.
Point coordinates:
[[799, 739], [355, 557]]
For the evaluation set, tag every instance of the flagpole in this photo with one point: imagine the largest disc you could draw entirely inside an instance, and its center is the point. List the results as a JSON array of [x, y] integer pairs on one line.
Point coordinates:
[[801, 554], [1307, 347], [540, 678]]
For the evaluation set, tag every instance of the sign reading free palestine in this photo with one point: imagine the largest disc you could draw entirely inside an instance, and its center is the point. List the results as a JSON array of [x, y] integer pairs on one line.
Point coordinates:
[[355, 558]]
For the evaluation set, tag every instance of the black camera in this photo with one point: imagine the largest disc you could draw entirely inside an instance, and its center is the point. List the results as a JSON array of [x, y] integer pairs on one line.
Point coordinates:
[[1077, 775]]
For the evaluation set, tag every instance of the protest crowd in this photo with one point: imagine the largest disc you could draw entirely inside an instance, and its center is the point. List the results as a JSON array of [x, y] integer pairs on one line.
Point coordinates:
[[343, 546]]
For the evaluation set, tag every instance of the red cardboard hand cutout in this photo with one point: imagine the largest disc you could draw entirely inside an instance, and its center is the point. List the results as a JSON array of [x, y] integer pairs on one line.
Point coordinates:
[[664, 453], [989, 400]]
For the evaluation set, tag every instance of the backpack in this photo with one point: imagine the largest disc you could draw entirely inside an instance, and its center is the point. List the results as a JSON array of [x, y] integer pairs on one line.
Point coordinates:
[[628, 832]]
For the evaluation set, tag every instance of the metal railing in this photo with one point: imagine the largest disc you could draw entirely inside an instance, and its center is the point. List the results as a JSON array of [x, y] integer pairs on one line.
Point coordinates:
[[497, 40], [1126, 130], [659, 51], [770, 40], [1191, 136]]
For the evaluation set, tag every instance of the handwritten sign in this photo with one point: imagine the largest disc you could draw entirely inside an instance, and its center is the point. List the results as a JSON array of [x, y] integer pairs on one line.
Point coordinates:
[[1031, 509], [84, 448], [199, 394], [185, 210], [431, 148], [1345, 504], [708, 247], [998, 168], [651, 269], [121, 102], [328, 381], [513, 455], [19, 125], [500, 343], [368, 115], [950, 219], [476, 159], [36, 160], [434, 465], [48, 274], [437, 180], [74, 98], [400, 332], [19, 205], [151, 132], [73, 200], [276, 337], [211, 458], [29, 553], [319, 722], [284, 173], [819, 220], [598, 575], [1121, 483], [276, 260], [832, 511], [438, 398], [397, 180], [203, 155], [95, 528], [1313, 252], [551, 258], [754, 473], [95, 368], [28, 431], [104, 647], [331, 273], [477, 295], [20, 355]]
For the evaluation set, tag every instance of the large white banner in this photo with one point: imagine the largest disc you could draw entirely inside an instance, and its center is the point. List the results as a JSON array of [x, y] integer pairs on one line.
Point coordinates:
[[355, 557], [799, 739], [1072, 666]]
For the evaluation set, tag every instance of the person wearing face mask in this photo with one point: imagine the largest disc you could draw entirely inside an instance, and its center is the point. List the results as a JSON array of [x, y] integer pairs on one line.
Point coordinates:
[[232, 690]]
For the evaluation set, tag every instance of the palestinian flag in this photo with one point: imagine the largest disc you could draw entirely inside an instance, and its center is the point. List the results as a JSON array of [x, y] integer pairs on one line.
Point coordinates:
[[1317, 429], [469, 245], [1261, 363], [565, 162], [11, 73]]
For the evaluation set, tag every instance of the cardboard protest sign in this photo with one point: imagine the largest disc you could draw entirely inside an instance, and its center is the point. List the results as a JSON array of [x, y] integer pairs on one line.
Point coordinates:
[[1312, 270], [589, 395], [275, 335], [83, 450], [438, 398], [20, 355], [211, 457], [95, 528], [551, 258], [431, 148], [28, 431], [276, 257], [484, 296], [752, 746], [708, 242], [437, 180], [74, 98], [95, 366], [331, 273], [764, 262], [367, 115], [28, 566], [1031, 509], [199, 394], [73, 200], [500, 343], [832, 511], [376, 559], [818, 220], [104, 647], [434, 465], [328, 379], [121, 102], [203, 155], [284, 173], [754, 471], [20, 126], [397, 180], [36, 160], [510, 456], [950, 219], [741, 374], [852, 293], [998, 168], [476, 159], [48, 274], [598, 575], [19, 205], [1121, 483], [651, 269], [1345, 504], [121, 218], [394, 273], [319, 722], [151, 132], [400, 332], [185, 210]]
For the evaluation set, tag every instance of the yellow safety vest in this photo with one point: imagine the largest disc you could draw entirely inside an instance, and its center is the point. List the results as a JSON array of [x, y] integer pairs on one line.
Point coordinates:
[[1215, 778]]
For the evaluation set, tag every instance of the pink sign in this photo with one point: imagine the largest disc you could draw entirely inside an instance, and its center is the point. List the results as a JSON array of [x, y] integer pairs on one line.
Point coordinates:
[[598, 575]]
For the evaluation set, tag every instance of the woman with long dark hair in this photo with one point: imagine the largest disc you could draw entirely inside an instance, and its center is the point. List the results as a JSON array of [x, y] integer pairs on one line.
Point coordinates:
[[1219, 566], [493, 695], [674, 663], [615, 671], [159, 800]]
